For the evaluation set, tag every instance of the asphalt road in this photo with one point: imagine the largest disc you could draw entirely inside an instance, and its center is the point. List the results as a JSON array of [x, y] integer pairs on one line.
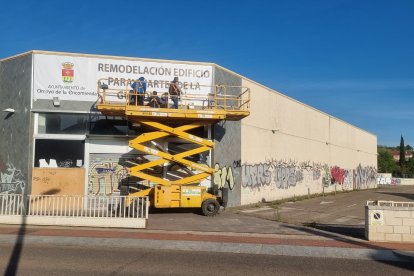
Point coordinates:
[[343, 213], [71, 260]]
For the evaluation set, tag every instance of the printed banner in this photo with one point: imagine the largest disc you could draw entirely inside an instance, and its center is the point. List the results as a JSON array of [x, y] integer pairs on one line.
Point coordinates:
[[75, 78]]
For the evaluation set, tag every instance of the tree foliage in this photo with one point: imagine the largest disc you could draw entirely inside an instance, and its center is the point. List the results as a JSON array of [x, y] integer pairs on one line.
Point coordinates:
[[401, 168], [386, 163], [410, 168]]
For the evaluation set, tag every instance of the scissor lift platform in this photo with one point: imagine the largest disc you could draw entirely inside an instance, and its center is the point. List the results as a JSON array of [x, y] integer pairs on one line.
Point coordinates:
[[133, 113], [177, 123]]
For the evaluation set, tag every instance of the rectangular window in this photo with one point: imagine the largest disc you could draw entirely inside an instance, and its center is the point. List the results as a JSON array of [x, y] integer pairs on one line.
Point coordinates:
[[57, 123], [102, 125], [59, 153], [83, 124]]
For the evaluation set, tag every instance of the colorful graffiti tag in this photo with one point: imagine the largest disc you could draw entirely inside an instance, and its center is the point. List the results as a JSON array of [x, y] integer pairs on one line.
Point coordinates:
[[287, 174], [107, 172], [388, 180], [104, 177]]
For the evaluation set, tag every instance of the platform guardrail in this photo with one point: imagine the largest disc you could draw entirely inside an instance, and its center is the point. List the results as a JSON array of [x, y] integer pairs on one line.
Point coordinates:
[[223, 97]]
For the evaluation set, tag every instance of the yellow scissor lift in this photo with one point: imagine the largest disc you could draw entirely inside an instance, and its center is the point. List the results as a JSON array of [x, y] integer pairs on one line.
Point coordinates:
[[222, 103]]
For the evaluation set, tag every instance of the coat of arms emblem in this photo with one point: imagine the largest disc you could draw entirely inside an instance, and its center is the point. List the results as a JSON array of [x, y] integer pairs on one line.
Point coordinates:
[[68, 73]]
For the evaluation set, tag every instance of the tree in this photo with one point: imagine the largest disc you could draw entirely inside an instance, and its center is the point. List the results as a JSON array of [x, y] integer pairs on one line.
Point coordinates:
[[386, 163], [410, 168], [402, 152], [408, 147]]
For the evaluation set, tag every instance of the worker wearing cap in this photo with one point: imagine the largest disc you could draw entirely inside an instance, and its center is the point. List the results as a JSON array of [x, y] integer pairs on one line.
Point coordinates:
[[174, 92]]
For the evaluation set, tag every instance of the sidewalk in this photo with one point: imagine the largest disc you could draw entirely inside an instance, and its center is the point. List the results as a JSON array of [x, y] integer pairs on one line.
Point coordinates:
[[315, 243]]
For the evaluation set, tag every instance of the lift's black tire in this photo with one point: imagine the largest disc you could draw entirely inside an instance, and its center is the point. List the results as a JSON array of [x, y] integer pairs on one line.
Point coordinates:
[[210, 207]]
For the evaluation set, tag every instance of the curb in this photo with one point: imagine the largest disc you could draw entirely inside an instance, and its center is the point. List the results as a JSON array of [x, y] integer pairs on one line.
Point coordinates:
[[404, 254]]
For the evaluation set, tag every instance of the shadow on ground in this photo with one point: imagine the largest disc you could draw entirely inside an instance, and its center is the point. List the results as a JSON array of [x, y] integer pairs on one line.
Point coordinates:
[[355, 231], [196, 211]]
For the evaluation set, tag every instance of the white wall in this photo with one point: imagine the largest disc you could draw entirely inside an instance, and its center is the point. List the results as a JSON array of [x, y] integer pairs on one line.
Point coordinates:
[[289, 148]]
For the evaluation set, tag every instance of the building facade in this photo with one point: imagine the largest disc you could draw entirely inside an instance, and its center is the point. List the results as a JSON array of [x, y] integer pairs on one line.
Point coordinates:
[[53, 140]]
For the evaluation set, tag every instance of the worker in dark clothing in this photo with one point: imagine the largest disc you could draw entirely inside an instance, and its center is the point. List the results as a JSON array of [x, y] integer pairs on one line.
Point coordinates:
[[164, 99], [174, 92], [155, 101]]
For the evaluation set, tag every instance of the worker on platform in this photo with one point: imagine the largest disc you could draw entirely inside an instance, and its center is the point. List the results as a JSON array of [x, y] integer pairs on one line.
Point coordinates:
[[164, 99], [139, 88], [155, 101], [174, 92]]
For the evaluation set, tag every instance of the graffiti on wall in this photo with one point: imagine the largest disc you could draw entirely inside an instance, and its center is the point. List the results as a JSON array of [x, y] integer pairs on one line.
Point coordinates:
[[385, 180], [338, 175], [327, 178], [342, 177], [68, 163], [256, 176], [365, 177], [282, 174], [316, 174], [287, 174], [12, 180], [108, 171], [223, 176], [104, 177], [236, 163]]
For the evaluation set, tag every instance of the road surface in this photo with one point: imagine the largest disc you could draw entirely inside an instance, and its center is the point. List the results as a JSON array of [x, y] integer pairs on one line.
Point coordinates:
[[36, 259]]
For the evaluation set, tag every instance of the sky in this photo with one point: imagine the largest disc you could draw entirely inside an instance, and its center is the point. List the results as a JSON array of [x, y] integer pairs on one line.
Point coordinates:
[[353, 59]]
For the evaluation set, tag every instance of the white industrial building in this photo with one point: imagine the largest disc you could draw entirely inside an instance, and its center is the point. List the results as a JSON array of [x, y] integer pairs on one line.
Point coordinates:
[[54, 141]]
